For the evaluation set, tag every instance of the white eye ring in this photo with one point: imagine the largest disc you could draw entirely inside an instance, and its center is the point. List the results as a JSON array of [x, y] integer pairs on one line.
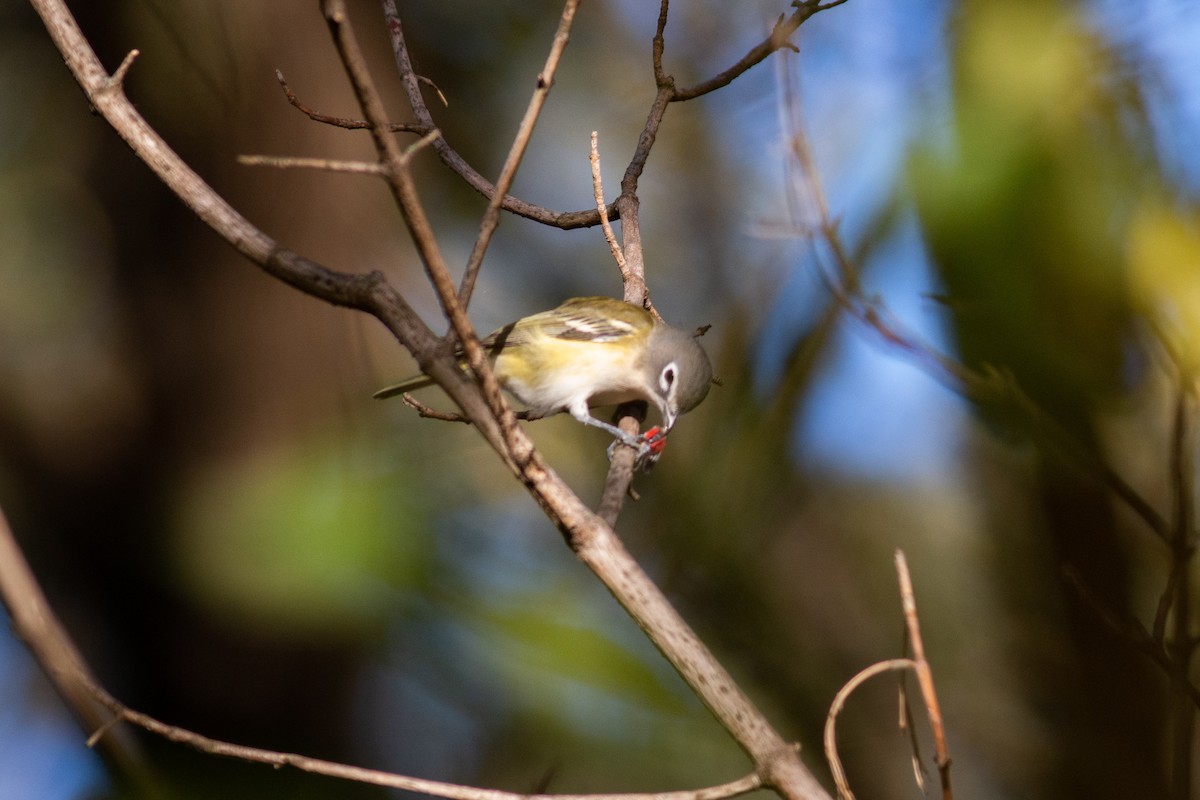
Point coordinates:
[[667, 378]]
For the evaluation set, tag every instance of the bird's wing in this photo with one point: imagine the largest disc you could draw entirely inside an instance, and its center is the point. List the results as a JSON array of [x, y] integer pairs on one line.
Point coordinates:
[[582, 319]]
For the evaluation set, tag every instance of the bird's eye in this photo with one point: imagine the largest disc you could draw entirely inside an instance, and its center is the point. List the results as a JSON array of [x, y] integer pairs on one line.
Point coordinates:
[[667, 378]]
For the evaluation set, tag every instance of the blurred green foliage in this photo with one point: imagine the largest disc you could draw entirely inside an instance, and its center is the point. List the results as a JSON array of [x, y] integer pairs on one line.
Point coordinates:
[[297, 542]]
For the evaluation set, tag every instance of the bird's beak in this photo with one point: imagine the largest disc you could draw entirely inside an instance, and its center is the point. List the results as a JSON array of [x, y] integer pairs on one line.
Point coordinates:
[[668, 414]]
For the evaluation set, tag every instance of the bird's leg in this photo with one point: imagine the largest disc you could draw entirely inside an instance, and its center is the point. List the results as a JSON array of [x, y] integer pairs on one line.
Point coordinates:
[[638, 443]]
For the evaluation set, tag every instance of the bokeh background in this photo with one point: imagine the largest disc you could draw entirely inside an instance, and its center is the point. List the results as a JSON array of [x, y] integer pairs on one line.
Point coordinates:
[[243, 543]]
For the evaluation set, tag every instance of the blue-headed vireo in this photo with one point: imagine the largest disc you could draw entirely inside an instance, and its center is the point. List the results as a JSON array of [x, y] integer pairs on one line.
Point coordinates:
[[594, 351]]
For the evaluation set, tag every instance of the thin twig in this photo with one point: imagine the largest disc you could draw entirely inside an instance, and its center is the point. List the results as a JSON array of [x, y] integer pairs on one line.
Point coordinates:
[[602, 207], [333, 769], [428, 82], [430, 413], [924, 674], [1162, 611], [839, 702], [443, 416], [632, 281], [920, 667], [118, 77], [299, 162], [339, 122], [777, 39]]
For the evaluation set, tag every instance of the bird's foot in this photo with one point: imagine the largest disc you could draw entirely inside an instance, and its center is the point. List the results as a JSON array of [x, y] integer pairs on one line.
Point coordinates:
[[649, 447]]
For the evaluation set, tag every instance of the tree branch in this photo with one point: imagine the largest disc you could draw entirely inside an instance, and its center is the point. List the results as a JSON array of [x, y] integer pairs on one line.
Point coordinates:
[[777, 39], [332, 769], [36, 624]]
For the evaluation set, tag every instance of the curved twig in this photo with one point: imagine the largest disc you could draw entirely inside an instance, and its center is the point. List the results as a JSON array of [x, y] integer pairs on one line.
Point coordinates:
[[777, 39], [338, 122], [839, 702]]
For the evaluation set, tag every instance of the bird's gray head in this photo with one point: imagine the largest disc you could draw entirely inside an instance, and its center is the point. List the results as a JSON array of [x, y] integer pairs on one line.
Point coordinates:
[[678, 371]]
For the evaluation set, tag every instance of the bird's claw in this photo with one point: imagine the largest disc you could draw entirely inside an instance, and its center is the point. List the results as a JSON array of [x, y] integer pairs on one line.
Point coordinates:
[[649, 447]]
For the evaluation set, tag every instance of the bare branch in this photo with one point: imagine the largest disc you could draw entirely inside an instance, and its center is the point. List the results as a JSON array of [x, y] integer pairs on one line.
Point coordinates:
[[777, 39], [602, 208], [566, 220]]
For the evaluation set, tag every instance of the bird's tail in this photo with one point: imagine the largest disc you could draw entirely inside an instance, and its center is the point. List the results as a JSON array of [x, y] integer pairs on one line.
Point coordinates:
[[409, 385]]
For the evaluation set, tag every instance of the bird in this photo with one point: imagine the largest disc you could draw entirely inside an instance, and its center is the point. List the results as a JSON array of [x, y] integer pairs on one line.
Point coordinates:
[[595, 351]]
